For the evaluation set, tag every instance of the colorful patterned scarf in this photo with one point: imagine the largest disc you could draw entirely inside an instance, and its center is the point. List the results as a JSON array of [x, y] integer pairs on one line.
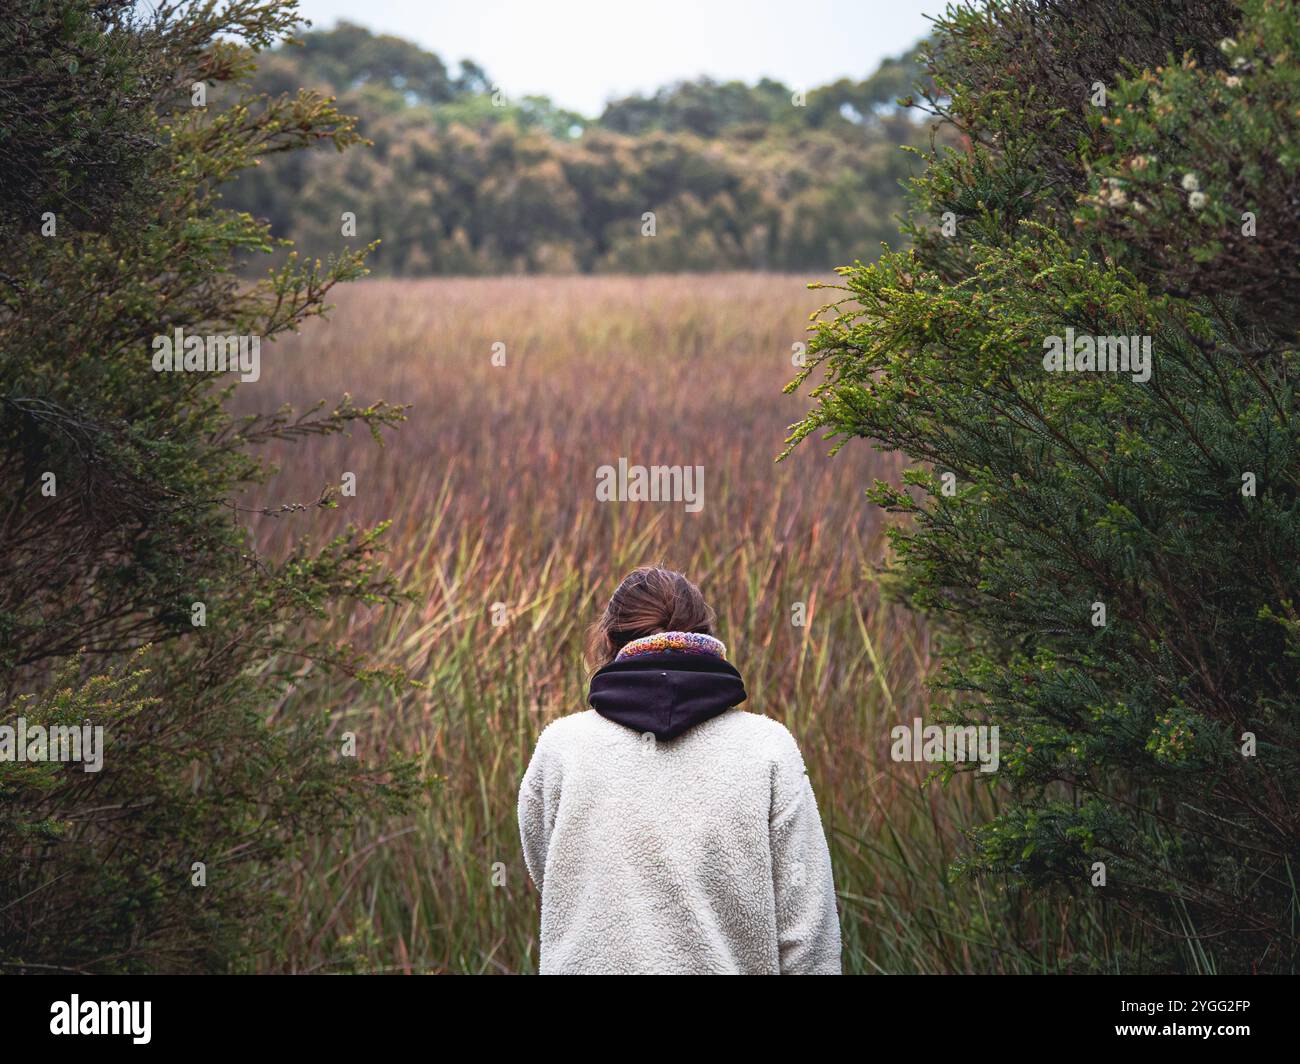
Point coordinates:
[[684, 642]]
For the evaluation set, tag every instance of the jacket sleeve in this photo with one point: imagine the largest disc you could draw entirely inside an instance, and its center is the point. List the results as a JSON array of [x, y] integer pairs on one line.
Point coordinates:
[[807, 923], [534, 822]]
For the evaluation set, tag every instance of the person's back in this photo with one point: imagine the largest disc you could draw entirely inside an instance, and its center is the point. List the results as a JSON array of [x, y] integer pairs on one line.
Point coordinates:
[[670, 832]]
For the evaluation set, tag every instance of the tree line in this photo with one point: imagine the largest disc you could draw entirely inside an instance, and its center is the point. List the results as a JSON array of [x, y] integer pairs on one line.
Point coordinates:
[[460, 179]]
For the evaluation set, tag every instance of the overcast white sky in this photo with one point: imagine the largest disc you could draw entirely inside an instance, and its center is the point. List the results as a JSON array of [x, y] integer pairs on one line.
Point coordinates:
[[584, 52]]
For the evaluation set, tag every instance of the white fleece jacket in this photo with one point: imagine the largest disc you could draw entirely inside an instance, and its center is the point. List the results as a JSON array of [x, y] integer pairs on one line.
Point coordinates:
[[700, 854]]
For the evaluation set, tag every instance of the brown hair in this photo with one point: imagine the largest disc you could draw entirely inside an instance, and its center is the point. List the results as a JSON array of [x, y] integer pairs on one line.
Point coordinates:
[[650, 599]]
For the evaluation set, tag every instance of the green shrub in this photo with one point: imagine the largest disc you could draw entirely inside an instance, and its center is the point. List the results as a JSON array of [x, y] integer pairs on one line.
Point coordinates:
[[120, 491], [1170, 502]]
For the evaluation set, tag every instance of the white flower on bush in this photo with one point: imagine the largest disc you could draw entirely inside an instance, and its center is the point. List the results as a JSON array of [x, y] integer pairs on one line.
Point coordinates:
[[1227, 44], [1111, 193], [1197, 200], [1232, 82], [1191, 183]]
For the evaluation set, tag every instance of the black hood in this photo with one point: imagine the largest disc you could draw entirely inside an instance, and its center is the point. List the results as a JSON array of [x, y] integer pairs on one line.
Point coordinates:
[[665, 693]]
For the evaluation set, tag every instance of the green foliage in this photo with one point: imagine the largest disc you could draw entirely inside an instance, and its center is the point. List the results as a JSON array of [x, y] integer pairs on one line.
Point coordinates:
[[1123, 741], [462, 180], [100, 566], [711, 109]]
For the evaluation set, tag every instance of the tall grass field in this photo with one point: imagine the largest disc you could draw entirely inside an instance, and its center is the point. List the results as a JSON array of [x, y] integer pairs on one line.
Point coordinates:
[[497, 531]]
